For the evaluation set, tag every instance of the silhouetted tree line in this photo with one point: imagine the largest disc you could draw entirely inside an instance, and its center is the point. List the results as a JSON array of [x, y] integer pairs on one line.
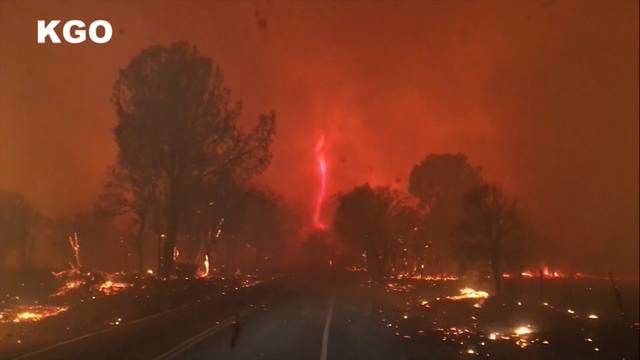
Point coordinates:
[[17, 222], [455, 222], [183, 176]]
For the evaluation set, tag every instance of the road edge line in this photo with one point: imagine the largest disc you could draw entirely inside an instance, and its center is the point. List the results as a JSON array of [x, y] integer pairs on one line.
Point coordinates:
[[325, 332]]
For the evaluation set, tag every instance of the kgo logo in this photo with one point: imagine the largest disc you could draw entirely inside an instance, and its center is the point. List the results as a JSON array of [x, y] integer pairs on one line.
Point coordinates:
[[73, 31]]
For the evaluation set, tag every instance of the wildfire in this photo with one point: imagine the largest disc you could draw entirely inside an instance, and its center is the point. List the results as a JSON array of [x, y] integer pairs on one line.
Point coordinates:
[[322, 170], [111, 288], [31, 313], [469, 293]]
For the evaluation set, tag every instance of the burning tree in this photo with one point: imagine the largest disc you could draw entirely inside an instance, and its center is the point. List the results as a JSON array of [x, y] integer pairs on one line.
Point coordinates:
[[176, 120]]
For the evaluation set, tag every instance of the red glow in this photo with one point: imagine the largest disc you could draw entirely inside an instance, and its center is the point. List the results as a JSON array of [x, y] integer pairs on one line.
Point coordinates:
[[322, 169]]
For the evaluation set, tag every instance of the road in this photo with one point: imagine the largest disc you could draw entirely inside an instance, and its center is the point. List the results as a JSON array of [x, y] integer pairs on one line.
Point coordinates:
[[294, 318]]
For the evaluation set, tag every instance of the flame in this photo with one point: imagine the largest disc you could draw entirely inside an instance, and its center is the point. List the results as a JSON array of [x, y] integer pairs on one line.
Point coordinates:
[[111, 288], [551, 274], [322, 169], [546, 273], [526, 274], [75, 247], [31, 313], [204, 273], [523, 330], [469, 293]]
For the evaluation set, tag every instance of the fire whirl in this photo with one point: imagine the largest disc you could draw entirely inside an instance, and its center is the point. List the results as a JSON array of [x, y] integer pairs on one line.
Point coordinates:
[[322, 171]]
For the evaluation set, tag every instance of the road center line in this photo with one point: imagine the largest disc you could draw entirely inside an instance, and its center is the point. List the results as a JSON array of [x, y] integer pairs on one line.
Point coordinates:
[[325, 333]]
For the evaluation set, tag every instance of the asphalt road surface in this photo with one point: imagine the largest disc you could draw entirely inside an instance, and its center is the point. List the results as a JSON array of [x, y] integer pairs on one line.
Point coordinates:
[[304, 318]]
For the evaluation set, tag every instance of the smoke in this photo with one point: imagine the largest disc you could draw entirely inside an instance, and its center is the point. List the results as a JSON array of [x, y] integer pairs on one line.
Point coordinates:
[[542, 95]]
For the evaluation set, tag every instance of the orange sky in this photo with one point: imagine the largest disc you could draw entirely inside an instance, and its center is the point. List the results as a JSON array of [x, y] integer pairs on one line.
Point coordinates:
[[542, 95]]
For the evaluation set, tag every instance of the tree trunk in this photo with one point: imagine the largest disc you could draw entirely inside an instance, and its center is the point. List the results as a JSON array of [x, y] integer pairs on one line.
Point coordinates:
[[140, 240], [173, 223], [373, 263], [496, 259], [24, 240]]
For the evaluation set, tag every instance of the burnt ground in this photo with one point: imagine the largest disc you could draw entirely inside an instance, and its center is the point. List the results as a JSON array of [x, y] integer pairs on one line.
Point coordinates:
[[338, 316]]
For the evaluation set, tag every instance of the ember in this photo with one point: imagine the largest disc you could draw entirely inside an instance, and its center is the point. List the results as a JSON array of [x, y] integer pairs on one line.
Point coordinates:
[[68, 286], [433, 277], [402, 288]]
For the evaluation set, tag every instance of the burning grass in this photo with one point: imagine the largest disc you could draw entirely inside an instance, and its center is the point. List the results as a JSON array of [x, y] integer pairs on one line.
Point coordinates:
[[72, 302], [31, 313], [578, 318], [469, 293]]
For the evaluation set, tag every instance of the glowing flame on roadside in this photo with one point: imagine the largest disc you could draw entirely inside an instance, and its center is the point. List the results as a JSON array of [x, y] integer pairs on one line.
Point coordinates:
[[469, 293], [526, 274], [68, 286], [31, 313], [204, 273], [111, 287], [322, 170], [523, 330], [427, 277], [551, 274]]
